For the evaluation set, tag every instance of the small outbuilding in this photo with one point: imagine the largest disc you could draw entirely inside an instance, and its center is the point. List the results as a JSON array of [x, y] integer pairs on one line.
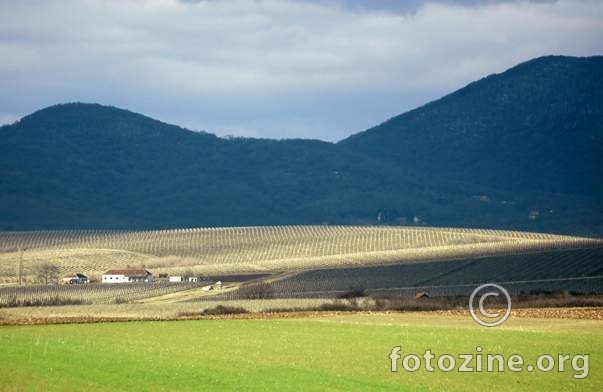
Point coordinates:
[[76, 278], [176, 279], [421, 295]]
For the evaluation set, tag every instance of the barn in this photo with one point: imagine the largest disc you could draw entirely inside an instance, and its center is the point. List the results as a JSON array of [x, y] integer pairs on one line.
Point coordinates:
[[127, 276]]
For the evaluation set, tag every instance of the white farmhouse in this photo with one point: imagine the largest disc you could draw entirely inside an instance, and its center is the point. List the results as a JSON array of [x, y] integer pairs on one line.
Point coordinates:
[[175, 279], [127, 276]]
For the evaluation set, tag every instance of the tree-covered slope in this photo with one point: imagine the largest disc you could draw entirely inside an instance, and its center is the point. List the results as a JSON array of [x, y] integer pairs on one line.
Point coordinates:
[[520, 150], [536, 127], [86, 165]]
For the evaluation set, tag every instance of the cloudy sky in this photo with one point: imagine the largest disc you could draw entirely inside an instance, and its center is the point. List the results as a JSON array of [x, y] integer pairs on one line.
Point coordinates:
[[277, 69]]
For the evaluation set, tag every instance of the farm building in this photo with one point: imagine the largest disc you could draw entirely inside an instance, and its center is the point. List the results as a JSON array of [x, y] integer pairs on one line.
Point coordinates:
[[127, 276], [76, 278], [175, 278], [421, 295]]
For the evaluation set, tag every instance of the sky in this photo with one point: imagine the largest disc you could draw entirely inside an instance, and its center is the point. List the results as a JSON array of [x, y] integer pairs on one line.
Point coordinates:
[[274, 69]]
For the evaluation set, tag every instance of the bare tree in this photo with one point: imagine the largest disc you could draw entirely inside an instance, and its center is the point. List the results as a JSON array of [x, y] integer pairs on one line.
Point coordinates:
[[47, 273], [189, 273]]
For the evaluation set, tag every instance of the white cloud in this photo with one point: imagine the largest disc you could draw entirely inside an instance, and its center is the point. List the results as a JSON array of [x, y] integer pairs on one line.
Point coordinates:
[[273, 68]]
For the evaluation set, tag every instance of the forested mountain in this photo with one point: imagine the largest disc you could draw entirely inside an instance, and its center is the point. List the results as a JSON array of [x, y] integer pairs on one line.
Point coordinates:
[[536, 127], [518, 150]]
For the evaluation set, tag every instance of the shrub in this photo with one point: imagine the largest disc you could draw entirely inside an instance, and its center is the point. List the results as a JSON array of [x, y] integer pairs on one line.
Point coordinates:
[[120, 300], [256, 291], [353, 292], [224, 309], [340, 306], [13, 302]]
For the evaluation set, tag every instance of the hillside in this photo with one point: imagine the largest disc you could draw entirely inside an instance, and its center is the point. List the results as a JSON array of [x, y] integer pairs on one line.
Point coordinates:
[[271, 249], [573, 270], [92, 166], [295, 262], [520, 150], [536, 127]]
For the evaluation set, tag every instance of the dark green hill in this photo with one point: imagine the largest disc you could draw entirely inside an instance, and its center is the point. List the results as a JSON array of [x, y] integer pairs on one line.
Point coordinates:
[[485, 156], [92, 166], [536, 127]]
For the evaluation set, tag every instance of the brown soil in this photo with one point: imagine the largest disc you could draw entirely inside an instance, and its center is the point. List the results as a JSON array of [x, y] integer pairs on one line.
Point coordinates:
[[547, 313]]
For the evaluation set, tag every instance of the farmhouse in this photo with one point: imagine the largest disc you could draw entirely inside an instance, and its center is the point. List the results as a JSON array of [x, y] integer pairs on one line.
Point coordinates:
[[175, 279], [127, 276], [76, 278]]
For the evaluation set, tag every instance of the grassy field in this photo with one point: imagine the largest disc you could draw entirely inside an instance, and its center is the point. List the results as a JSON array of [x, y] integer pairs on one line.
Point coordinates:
[[337, 352]]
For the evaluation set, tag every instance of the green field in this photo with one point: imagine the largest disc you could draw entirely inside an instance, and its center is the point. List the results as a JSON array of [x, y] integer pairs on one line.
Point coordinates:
[[335, 352]]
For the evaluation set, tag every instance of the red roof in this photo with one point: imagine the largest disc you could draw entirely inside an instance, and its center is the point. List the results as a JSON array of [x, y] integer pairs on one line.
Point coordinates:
[[128, 272]]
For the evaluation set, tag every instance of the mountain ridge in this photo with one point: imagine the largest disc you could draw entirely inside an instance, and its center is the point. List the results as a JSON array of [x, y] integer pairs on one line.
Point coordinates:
[[82, 165], [566, 101]]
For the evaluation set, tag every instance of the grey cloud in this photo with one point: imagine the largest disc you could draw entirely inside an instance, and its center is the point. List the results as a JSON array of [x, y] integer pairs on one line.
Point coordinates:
[[409, 6], [271, 68]]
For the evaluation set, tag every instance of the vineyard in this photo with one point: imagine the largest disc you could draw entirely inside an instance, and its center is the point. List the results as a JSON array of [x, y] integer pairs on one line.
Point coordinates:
[[271, 249], [577, 270], [89, 293], [296, 262]]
